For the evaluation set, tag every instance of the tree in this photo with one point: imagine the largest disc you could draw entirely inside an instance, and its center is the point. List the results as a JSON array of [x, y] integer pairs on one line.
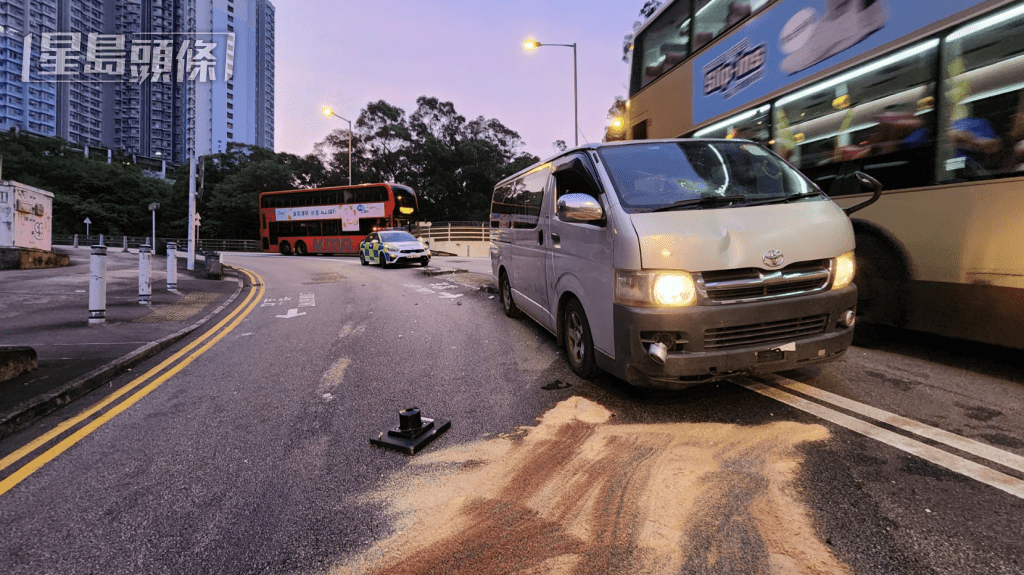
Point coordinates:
[[613, 132], [452, 163], [646, 11], [114, 196]]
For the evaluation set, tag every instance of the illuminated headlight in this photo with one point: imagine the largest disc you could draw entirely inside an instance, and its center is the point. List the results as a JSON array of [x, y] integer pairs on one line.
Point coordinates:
[[390, 248], [654, 289], [845, 269]]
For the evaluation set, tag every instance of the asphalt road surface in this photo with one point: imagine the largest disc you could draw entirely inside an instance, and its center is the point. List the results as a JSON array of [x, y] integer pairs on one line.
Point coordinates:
[[250, 451]]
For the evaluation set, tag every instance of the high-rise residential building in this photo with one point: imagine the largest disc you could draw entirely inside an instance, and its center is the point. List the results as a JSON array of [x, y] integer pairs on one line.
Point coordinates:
[[29, 106], [92, 75], [241, 108]]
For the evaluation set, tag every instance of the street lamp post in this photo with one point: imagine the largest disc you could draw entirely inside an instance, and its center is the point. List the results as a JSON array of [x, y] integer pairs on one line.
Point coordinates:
[[329, 112], [531, 45]]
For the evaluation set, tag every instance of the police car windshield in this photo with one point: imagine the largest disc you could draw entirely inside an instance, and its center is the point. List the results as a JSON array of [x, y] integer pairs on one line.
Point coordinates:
[[694, 174], [396, 237]]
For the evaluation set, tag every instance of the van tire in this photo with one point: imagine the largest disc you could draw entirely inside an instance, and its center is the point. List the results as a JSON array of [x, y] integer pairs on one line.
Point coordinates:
[[508, 305], [579, 345]]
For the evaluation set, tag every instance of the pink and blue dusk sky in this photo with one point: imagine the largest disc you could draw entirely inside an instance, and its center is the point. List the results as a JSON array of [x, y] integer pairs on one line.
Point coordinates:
[[469, 52]]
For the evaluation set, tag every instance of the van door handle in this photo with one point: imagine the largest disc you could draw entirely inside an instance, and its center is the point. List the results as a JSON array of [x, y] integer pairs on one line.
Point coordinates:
[[540, 237], [555, 237]]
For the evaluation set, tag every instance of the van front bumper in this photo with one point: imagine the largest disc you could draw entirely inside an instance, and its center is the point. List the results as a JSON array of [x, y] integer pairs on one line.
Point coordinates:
[[716, 341]]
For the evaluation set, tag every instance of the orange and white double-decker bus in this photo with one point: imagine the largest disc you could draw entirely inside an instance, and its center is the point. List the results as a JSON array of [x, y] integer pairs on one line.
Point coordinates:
[[926, 97], [332, 220]]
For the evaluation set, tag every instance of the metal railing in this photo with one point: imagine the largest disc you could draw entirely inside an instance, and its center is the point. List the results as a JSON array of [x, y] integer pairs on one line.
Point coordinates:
[[202, 244], [455, 232]]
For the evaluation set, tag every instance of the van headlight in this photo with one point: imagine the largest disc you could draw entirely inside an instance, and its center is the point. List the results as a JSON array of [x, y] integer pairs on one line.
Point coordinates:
[[654, 288], [845, 268]]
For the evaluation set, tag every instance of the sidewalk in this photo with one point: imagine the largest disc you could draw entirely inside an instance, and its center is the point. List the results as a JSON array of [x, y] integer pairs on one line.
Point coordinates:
[[48, 310]]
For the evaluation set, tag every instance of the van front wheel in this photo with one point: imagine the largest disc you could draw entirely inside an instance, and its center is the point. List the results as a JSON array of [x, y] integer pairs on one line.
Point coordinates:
[[505, 294], [579, 345]]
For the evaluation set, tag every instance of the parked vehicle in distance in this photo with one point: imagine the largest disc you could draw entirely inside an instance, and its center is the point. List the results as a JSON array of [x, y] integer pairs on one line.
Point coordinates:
[[391, 247], [669, 263]]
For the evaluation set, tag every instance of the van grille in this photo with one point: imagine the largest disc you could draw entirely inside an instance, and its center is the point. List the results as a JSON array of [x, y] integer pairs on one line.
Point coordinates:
[[763, 333], [752, 284]]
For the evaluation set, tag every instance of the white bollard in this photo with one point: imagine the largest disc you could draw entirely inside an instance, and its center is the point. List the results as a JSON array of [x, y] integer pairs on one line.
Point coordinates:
[[76, 240], [172, 267], [101, 241], [125, 244], [145, 271], [98, 285]]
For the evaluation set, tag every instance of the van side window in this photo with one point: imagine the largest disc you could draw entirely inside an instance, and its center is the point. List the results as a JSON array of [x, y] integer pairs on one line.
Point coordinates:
[[575, 175], [573, 182], [517, 205]]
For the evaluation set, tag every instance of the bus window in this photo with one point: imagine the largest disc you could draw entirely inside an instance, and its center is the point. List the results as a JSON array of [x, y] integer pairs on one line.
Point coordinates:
[[750, 125], [716, 16], [983, 121], [878, 116], [662, 44]]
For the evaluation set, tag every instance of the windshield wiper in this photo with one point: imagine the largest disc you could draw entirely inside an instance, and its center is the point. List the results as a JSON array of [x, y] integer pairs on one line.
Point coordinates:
[[785, 199], [702, 202]]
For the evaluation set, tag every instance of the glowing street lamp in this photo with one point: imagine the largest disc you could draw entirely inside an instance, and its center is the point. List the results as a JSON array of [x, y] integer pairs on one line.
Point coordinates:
[[531, 45], [329, 112]]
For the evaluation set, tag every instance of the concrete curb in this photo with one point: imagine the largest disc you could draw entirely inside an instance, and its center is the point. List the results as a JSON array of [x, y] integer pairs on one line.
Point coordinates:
[[31, 411], [16, 360]]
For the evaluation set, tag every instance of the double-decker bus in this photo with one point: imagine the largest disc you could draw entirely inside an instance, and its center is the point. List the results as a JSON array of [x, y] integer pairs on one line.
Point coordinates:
[[928, 100], [332, 220]]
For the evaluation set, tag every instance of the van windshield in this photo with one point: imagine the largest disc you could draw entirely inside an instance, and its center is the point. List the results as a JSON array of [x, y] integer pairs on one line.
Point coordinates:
[[702, 174]]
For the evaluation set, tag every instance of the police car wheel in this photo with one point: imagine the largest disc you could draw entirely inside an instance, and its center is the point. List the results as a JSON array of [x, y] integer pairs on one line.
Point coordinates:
[[424, 263], [383, 261], [362, 259]]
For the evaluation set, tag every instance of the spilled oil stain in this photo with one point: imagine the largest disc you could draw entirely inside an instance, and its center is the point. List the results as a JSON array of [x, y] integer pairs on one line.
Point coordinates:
[[579, 495]]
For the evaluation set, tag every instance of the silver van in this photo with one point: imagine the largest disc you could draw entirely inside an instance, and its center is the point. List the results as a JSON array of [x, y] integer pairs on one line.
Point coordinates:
[[669, 263]]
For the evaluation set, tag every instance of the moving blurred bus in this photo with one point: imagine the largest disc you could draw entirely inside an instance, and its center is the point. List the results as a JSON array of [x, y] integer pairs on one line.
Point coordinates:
[[332, 220], [929, 102]]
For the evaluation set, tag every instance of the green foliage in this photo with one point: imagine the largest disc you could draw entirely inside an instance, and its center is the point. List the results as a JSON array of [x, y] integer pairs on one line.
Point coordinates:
[[452, 163], [115, 196]]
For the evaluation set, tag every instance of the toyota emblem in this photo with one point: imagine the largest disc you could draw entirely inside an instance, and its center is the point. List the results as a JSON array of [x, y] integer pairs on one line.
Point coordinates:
[[773, 258]]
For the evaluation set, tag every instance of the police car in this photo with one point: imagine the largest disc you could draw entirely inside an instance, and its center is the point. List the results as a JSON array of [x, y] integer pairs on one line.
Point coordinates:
[[392, 247]]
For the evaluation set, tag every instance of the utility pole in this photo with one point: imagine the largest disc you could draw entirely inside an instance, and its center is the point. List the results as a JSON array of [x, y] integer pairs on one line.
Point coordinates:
[[191, 262]]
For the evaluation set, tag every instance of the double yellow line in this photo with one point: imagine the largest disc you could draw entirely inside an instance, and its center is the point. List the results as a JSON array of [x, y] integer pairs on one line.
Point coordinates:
[[210, 338]]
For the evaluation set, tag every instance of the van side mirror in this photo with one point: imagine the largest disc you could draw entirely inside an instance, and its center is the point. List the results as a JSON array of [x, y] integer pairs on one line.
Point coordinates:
[[579, 208], [870, 183]]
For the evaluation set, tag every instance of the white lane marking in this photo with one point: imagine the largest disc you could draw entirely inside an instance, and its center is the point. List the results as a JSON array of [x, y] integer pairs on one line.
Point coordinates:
[[450, 296], [307, 300], [975, 471], [444, 286], [332, 377], [953, 440], [418, 288], [268, 302], [348, 329], [294, 312]]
